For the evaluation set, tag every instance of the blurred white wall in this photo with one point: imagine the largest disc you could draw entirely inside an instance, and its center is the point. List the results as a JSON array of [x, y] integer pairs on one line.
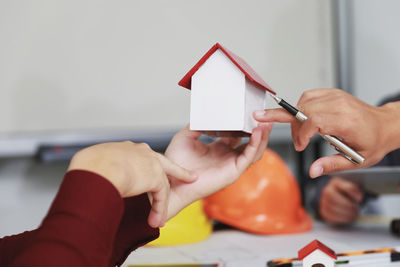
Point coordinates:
[[373, 48], [115, 64], [70, 66]]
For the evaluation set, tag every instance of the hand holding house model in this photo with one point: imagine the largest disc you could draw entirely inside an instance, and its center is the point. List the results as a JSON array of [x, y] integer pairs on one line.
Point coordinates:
[[225, 91]]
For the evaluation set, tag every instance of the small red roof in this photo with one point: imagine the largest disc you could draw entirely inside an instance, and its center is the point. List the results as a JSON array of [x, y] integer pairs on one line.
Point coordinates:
[[238, 61], [304, 252]]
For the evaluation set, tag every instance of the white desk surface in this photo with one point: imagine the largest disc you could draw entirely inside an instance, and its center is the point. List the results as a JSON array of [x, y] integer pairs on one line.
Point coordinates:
[[237, 248], [24, 179]]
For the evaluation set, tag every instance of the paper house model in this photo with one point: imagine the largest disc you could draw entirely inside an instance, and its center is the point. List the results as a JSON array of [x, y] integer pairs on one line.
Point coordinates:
[[317, 254], [225, 91]]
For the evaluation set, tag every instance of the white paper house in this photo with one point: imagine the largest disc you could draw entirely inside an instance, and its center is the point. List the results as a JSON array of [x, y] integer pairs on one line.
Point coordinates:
[[317, 254], [225, 91]]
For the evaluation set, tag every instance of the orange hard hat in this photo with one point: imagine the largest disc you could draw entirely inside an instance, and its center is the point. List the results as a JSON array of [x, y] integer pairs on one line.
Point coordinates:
[[265, 199]]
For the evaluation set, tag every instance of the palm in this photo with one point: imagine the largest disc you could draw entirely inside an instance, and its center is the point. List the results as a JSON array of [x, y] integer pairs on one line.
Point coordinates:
[[217, 164]]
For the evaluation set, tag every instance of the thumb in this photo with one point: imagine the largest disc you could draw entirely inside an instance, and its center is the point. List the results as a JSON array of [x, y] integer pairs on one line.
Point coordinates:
[[159, 206], [172, 169], [331, 164]]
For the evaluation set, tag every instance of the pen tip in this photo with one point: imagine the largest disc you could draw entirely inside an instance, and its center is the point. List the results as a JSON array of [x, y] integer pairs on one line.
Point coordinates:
[[277, 99]]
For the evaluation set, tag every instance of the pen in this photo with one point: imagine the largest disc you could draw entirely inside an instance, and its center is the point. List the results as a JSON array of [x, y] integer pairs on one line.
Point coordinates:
[[335, 142], [375, 257]]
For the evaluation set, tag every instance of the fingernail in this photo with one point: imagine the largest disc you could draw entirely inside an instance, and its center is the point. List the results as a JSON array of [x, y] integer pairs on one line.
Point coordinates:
[[162, 223], [259, 113], [317, 171]]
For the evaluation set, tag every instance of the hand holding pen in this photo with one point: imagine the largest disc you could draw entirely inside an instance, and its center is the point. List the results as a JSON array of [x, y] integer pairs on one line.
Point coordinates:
[[368, 130]]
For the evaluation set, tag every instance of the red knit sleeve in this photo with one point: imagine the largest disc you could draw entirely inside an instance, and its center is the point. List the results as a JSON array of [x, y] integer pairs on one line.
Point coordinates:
[[80, 228], [133, 231], [12, 246]]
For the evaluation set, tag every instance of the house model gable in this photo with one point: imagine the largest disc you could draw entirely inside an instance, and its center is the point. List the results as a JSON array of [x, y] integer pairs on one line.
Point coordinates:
[[225, 91], [317, 254], [238, 61]]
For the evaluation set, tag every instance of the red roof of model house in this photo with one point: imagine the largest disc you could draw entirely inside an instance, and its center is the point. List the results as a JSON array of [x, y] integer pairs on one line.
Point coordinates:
[[238, 61], [304, 252]]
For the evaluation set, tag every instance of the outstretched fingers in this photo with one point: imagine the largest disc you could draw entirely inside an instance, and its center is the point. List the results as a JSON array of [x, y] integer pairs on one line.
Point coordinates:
[[266, 131], [255, 148], [232, 142]]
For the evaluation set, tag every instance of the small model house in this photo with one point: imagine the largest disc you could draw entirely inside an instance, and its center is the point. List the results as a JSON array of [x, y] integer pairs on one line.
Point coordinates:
[[225, 91], [317, 254]]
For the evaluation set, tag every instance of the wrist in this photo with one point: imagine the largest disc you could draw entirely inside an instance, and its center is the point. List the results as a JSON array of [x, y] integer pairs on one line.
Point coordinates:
[[175, 205], [390, 121], [81, 162]]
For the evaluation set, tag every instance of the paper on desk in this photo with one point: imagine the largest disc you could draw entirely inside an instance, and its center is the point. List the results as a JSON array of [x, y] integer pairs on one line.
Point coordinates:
[[238, 249]]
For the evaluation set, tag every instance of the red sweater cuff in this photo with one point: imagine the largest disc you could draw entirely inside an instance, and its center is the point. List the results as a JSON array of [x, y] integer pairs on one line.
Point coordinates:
[[134, 230], [85, 215]]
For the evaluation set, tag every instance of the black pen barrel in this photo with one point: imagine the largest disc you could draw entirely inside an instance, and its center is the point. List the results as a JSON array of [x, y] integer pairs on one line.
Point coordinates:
[[292, 110]]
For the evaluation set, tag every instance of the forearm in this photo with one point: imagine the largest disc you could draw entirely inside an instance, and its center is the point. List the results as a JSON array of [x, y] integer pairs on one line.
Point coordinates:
[[80, 227], [12, 246]]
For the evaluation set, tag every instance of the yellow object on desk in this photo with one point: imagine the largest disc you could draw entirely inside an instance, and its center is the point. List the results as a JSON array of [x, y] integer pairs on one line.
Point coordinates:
[[191, 225]]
